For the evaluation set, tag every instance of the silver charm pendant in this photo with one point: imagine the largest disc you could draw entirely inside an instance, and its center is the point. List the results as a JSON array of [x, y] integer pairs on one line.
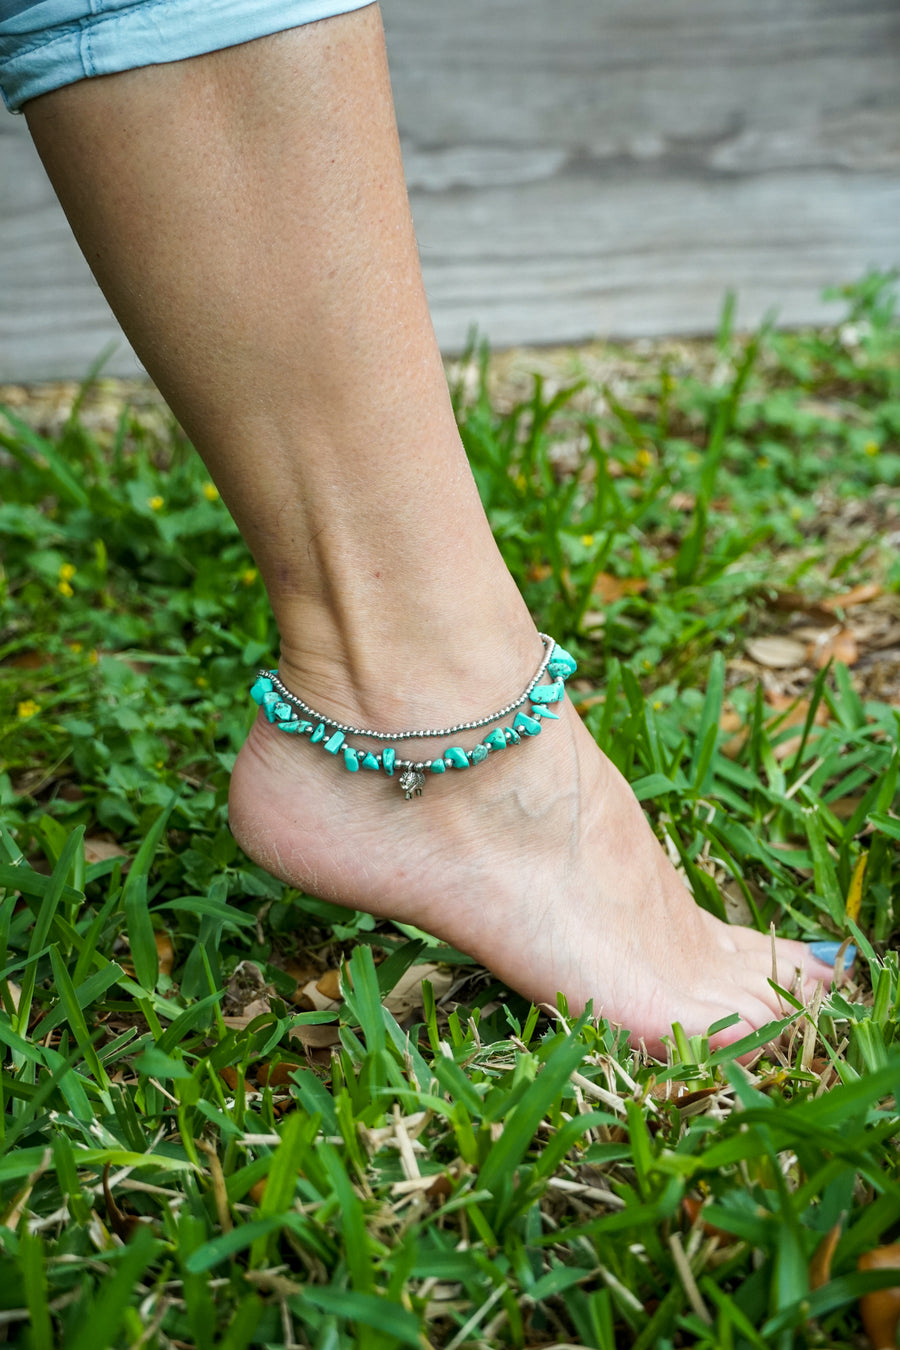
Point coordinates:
[[411, 781]]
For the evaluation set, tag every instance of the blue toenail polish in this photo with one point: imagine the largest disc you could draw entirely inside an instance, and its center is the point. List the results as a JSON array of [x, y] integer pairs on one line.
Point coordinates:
[[826, 952]]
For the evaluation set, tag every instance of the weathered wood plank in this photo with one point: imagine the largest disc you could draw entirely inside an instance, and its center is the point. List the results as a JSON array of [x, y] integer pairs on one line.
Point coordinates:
[[594, 167]]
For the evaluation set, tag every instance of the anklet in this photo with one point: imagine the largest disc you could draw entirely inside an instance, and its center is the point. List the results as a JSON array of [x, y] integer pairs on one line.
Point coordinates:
[[289, 712]]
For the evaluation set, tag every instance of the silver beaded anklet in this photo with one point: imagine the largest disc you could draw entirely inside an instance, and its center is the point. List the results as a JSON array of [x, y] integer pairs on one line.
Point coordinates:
[[287, 711]]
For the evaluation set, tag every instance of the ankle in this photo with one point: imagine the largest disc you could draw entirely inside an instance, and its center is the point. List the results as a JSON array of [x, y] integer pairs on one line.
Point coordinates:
[[422, 675]]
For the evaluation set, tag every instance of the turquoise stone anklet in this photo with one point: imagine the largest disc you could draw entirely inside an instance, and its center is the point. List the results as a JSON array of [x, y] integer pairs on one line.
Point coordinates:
[[288, 712]]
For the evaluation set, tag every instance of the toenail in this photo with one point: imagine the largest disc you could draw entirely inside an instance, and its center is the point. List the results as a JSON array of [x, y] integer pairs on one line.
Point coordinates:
[[827, 952]]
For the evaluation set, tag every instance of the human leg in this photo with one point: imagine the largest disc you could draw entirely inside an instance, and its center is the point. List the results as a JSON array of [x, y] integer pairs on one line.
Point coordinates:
[[246, 215]]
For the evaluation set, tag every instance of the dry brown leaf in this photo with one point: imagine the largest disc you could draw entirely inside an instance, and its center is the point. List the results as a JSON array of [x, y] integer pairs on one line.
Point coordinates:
[[165, 950], [730, 721], [240, 1021], [609, 588], [121, 1222], [820, 1265], [539, 572], [840, 646], [880, 1310], [275, 1075], [28, 660], [778, 653], [857, 595], [230, 1077], [97, 849], [735, 902], [792, 602], [329, 985], [406, 996], [314, 1036], [786, 712]]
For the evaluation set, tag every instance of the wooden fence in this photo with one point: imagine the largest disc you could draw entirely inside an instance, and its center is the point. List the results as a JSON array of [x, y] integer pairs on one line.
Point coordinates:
[[579, 168]]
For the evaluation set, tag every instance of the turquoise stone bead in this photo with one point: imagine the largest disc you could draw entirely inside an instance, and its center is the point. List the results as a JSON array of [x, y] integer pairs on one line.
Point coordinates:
[[457, 758], [438, 766], [527, 725], [561, 663], [350, 760], [296, 726], [334, 743], [495, 739], [369, 761], [479, 753], [282, 712], [318, 734], [548, 693], [262, 686], [388, 756], [544, 712], [512, 737], [270, 699]]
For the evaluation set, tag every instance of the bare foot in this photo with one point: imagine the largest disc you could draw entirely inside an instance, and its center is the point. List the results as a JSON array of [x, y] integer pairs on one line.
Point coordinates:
[[539, 863]]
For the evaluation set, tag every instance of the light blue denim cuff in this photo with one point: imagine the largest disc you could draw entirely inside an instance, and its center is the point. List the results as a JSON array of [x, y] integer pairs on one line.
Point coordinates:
[[45, 44]]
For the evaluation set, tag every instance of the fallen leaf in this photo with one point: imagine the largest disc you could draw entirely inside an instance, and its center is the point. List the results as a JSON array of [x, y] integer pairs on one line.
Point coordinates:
[[880, 1310], [787, 711], [275, 1075], [28, 660], [820, 1265], [840, 646], [857, 595], [329, 985], [240, 1021], [778, 653], [121, 1222], [165, 950], [316, 1036], [793, 602], [539, 572], [609, 588], [406, 996], [97, 849], [730, 721]]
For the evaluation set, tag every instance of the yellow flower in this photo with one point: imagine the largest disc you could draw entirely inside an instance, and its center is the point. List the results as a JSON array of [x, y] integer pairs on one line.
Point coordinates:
[[587, 540], [66, 572], [871, 448], [201, 682], [210, 492], [28, 708], [93, 657], [155, 503], [521, 482], [762, 462], [65, 589], [796, 512], [75, 647], [249, 575]]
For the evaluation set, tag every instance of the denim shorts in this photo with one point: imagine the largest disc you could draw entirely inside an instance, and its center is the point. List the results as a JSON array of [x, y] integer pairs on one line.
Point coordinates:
[[45, 44]]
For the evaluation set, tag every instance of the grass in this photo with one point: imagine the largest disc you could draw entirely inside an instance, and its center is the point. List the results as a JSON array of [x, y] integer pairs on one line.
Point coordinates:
[[193, 1155]]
